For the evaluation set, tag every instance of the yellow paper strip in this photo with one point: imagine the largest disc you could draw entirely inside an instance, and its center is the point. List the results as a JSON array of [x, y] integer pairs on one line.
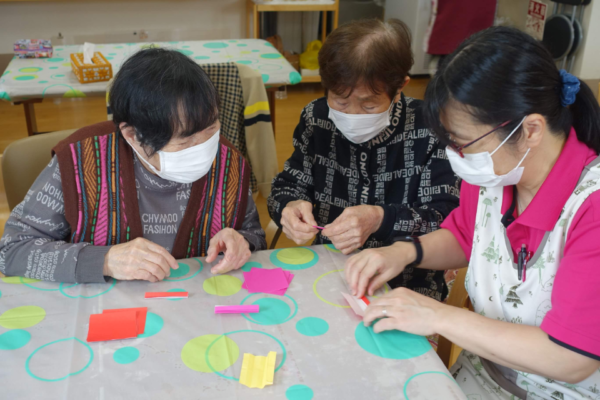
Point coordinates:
[[258, 371]]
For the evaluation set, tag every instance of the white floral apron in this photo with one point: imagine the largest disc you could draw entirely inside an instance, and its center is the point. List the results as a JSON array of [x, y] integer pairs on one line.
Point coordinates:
[[496, 292]]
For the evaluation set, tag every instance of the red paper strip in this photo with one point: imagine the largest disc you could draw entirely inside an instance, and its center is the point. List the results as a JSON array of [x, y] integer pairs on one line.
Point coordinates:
[[140, 316], [364, 298], [165, 295], [112, 326]]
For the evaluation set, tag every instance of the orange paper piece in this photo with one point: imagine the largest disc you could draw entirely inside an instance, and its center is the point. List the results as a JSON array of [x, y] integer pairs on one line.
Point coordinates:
[[166, 295], [113, 326], [140, 316]]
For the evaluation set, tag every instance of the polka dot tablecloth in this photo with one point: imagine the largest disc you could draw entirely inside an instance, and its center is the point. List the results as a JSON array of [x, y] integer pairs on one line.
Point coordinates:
[[52, 77], [187, 352]]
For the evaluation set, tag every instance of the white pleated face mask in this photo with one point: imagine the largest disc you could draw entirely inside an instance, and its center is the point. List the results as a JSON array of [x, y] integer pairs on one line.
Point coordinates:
[[360, 128], [188, 165], [478, 169]]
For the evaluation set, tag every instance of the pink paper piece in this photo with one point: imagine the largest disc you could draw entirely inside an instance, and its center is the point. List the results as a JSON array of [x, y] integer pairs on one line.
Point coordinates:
[[272, 281], [254, 308], [357, 305]]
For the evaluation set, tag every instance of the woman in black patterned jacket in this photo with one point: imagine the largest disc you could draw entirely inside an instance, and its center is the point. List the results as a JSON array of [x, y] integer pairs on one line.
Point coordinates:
[[365, 167]]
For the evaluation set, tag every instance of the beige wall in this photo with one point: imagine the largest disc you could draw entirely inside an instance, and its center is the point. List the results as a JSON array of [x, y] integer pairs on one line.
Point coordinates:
[[115, 21], [587, 61]]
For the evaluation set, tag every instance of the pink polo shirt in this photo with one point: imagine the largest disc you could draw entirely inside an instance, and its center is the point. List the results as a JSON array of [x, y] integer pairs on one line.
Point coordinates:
[[574, 320]]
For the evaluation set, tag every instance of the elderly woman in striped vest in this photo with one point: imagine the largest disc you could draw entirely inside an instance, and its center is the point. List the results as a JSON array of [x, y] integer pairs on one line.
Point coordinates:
[[131, 196]]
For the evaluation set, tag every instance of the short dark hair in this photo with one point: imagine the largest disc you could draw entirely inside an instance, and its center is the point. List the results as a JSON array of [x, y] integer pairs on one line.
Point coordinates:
[[502, 74], [161, 94], [370, 52]]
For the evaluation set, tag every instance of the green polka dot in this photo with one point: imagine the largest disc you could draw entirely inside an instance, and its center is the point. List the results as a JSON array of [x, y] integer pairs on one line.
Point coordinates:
[[74, 93], [332, 248], [112, 54], [265, 78], [66, 64], [17, 280], [55, 60], [58, 76], [185, 47], [154, 323], [59, 49], [249, 265], [245, 62], [14, 339], [295, 77], [242, 45], [43, 82], [126, 355], [109, 58], [173, 42], [201, 58], [432, 379], [232, 41], [183, 269], [53, 68], [255, 51], [216, 51], [0, 294], [222, 355], [312, 326], [268, 44], [121, 47], [4, 96], [186, 52], [272, 311], [22, 317], [50, 367], [294, 258], [299, 392], [396, 345], [222, 285], [216, 45], [175, 290], [271, 56], [6, 73], [25, 77], [30, 69]]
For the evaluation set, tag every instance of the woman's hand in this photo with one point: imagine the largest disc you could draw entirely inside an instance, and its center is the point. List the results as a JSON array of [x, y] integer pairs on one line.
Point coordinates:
[[353, 227], [139, 259], [235, 248], [298, 221], [406, 311], [370, 269]]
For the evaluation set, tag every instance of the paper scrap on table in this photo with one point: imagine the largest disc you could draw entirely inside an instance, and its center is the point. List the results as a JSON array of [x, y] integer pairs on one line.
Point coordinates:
[[112, 326], [166, 295], [88, 52], [272, 281], [244, 309], [358, 305], [258, 371], [140, 316]]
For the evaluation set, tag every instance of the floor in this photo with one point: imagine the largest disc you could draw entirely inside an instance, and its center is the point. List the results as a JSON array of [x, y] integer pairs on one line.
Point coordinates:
[[58, 114]]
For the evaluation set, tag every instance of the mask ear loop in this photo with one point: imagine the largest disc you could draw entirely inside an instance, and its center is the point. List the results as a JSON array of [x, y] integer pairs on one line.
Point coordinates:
[[508, 137]]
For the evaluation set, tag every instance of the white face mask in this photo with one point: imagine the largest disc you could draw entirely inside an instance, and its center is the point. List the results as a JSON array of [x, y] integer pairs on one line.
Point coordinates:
[[478, 169], [360, 128], [186, 166]]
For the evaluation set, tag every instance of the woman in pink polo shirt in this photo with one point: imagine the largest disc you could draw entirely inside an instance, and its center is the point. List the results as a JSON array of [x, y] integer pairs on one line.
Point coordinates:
[[525, 138]]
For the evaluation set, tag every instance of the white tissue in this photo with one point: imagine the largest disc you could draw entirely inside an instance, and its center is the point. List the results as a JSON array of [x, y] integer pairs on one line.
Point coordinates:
[[88, 52]]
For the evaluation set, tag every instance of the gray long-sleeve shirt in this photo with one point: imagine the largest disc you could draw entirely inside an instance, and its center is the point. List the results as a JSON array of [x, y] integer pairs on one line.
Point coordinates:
[[34, 243]]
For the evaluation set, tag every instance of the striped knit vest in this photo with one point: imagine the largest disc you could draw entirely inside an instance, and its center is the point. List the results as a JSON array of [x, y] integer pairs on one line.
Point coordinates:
[[101, 207]]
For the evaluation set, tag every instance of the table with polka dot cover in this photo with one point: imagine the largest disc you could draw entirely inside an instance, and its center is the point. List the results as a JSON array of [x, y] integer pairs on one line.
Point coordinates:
[[323, 349], [52, 77]]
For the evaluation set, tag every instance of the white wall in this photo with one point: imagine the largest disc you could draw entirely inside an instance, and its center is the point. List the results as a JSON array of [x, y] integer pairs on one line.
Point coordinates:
[[115, 21]]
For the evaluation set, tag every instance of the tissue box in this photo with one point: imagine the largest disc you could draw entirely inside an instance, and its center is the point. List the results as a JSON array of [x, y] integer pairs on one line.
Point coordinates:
[[99, 71], [33, 48]]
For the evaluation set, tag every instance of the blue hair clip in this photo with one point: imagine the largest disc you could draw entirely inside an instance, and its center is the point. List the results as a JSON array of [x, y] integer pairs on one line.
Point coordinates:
[[569, 89]]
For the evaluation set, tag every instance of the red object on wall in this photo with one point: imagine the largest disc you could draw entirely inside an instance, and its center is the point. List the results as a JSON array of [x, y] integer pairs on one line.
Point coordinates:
[[455, 20]]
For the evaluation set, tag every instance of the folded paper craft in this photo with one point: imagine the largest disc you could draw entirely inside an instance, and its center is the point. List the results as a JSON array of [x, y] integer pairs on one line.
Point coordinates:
[[273, 281], [245, 309], [258, 371], [358, 305]]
